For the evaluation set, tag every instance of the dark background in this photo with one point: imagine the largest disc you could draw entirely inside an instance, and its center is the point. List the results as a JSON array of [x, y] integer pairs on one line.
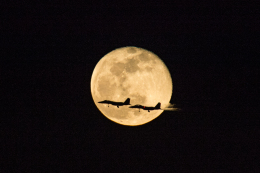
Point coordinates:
[[51, 124]]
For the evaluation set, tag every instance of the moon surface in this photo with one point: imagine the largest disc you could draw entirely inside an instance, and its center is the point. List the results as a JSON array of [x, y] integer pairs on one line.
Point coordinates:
[[135, 73]]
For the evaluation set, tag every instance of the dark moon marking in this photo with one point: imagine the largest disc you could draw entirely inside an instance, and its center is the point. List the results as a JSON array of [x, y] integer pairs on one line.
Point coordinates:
[[122, 78], [117, 68], [148, 69], [131, 50], [104, 85], [144, 57], [131, 65], [138, 99]]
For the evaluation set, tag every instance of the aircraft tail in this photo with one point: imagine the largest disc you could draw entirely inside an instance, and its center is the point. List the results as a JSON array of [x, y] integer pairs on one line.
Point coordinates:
[[158, 106], [127, 101]]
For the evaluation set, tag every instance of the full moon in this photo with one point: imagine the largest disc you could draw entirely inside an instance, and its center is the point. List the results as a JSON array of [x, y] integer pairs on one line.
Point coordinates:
[[135, 73]]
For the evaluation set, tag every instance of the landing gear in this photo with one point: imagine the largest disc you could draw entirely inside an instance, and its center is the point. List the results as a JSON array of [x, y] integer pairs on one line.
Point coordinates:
[[117, 106], [148, 111]]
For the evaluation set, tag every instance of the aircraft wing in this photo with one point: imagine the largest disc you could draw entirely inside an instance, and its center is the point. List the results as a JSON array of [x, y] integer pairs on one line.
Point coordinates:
[[137, 106]]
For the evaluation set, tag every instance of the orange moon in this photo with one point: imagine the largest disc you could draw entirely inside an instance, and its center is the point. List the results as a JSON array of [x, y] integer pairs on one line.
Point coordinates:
[[135, 73]]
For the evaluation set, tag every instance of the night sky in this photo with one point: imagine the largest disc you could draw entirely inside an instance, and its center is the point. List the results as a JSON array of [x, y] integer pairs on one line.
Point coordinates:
[[51, 124]]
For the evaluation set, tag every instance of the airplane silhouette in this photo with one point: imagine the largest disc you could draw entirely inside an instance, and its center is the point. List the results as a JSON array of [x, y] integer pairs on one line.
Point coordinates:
[[127, 102], [158, 106]]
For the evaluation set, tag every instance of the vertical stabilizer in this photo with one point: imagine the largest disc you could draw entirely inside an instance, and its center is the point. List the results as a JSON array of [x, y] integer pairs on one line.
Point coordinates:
[[158, 106], [127, 101]]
